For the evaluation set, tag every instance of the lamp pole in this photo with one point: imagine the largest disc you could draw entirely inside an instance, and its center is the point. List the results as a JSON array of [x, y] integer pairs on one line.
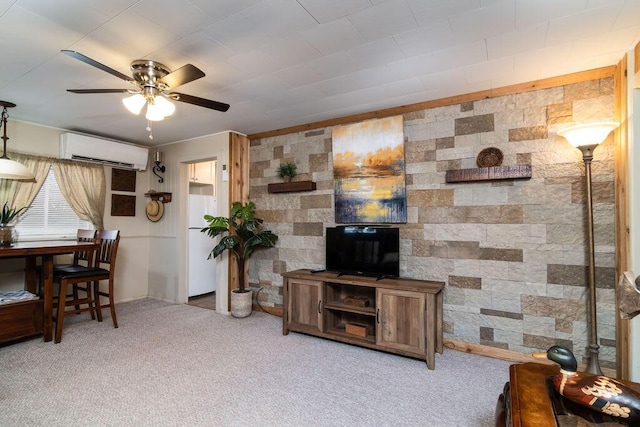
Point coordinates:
[[593, 366], [586, 137]]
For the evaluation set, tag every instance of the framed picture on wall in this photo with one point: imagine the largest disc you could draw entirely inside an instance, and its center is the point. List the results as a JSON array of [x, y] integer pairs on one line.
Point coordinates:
[[369, 173]]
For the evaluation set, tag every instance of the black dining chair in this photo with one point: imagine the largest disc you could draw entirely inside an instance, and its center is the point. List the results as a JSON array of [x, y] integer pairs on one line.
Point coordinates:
[[102, 268]]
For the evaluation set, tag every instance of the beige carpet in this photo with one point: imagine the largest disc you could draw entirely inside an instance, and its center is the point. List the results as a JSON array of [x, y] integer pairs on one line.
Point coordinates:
[[178, 365]]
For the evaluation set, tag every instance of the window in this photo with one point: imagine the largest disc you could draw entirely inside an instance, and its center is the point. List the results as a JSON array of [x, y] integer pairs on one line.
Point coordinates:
[[49, 216]]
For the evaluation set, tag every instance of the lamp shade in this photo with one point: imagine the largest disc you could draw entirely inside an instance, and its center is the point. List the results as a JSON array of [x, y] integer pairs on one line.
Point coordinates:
[[589, 134], [159, 109], [134, 103], [10, 169]]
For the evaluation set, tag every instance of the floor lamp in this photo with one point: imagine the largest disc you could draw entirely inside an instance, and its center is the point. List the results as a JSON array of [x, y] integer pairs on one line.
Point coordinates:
[[587, 137]]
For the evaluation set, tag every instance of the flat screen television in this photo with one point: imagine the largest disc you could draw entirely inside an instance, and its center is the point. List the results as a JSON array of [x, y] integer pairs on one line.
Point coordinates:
[[362, 250]]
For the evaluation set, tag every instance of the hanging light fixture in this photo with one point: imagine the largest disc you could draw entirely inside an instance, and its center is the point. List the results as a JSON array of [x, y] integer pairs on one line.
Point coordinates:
[[10, 169], [158, 106]]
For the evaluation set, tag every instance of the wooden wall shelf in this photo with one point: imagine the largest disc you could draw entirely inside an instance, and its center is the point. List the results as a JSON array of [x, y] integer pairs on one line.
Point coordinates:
[[489, 174], [158, 195], [290, 187]]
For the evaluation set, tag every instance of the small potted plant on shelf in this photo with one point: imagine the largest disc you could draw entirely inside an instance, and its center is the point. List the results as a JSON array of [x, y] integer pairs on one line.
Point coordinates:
[[241, 233], [7, 231], [287, 171]]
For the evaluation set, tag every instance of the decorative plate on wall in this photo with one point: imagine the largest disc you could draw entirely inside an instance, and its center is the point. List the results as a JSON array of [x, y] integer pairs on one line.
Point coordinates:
[[489, 157]]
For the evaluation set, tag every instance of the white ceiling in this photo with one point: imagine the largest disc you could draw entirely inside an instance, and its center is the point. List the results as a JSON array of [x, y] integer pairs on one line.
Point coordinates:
[[281, 63]]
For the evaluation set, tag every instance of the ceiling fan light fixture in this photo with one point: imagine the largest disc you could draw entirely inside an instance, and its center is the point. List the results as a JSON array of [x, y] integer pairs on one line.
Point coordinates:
[[167, 107], [134, 103], [159, 108]]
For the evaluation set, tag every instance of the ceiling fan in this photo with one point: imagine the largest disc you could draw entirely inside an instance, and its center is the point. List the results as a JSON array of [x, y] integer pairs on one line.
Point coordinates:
[[152, 86]]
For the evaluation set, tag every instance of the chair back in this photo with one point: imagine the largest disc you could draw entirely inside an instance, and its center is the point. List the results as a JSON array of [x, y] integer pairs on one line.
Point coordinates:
[[106, 252], [86, 256]]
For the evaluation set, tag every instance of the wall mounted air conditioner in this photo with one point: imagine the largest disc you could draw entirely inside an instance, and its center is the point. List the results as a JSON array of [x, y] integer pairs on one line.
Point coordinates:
[[97, 150]]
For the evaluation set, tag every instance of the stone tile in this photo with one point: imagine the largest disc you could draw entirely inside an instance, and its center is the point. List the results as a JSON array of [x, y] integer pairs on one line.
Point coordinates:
[[595, 109], [528, 133], [414, 115], [421, 248], [474, 124], [486, 334], [582, 90], [601, 192], [442, 143], [466, 106], [278, 152], [316, 202], [465, 282], [430, 198], [560, 113], [445, 165], [607, 86], [564, 325], [506, 314], [573, 275], [523, 158], [308, 229], [497, 254], [318, 162], [257, 169], [536, 341], [314, 133]]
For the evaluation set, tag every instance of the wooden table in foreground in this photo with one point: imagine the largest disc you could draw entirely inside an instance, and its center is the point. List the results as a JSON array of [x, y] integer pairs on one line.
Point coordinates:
[[45, 249], [529, 401]]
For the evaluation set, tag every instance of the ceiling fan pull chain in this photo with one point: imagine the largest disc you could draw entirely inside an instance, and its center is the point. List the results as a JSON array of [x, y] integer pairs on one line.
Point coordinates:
[[149, 129]]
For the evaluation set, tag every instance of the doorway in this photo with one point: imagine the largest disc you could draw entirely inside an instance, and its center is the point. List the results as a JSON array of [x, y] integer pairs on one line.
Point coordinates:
[[202, 201]]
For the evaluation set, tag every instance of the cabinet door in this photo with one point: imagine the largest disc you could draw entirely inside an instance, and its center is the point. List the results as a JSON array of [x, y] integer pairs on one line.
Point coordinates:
[[202, 173], [400, 320], [305, 305]]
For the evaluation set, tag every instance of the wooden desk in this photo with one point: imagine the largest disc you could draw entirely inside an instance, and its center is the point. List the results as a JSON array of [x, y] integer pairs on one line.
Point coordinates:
[[529, 401], [45, 249]]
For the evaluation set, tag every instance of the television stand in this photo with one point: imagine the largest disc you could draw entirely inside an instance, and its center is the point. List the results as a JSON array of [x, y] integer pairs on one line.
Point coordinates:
[[402, 316]]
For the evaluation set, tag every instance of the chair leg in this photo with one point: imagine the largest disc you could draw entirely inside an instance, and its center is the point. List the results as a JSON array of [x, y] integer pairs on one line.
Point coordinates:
[[75, 296], [96, 300], [61, 309], [112, 304]]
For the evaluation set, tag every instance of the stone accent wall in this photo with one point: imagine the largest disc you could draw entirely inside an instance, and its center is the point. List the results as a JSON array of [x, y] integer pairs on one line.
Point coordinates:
[[512, 252]]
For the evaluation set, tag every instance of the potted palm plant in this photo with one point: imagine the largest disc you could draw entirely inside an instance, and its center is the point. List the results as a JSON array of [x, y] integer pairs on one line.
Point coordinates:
[[6, 230], [241, 233]]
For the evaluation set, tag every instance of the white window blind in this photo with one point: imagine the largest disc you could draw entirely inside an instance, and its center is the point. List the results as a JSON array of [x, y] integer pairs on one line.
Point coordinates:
[[49, 216]]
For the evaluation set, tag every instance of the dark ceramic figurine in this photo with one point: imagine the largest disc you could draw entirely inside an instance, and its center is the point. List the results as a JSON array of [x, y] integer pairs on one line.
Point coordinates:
[[596, 392]]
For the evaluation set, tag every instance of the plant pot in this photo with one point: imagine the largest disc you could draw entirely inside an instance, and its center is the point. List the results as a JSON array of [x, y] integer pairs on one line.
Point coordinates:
[[7, 235], [241, 303]]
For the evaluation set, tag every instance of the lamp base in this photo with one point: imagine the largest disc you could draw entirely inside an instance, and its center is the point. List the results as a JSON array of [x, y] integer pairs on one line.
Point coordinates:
[[594, 366]]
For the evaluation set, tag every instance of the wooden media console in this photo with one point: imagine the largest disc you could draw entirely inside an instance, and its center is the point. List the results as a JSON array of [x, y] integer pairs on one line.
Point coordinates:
[[402, 316]]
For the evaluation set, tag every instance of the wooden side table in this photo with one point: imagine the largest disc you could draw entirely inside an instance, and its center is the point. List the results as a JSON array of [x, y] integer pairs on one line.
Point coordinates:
[[529, 400]]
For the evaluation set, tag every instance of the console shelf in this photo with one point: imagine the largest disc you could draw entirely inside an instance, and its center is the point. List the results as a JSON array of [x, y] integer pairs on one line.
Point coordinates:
[[402, 316]]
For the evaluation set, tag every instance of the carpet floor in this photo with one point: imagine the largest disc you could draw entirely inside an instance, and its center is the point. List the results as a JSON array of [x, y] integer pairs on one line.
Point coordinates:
[[179, 365]]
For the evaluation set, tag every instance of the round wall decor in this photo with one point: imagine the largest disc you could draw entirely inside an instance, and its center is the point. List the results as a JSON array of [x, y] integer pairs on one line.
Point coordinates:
[[489, 157]]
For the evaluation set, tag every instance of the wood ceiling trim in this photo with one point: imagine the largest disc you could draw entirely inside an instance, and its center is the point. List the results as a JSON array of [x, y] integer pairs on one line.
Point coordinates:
[[594, 74]]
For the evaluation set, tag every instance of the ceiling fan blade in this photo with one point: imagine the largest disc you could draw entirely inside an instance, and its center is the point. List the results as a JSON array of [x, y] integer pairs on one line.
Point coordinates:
[[185, 74], [207, 103], [99, 90], [96, 64]]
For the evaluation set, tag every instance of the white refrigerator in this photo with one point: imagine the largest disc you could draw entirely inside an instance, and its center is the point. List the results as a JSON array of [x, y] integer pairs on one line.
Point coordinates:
[[201, 270]]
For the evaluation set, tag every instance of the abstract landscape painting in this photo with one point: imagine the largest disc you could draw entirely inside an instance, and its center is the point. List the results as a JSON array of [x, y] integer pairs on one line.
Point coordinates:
[[368, 171]]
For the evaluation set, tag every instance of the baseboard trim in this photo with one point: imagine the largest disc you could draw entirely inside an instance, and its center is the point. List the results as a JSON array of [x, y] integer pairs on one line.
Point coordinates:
[[496, 353]]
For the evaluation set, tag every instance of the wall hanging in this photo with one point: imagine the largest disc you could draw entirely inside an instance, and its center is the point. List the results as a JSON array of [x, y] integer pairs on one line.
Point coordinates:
[[368, 172]]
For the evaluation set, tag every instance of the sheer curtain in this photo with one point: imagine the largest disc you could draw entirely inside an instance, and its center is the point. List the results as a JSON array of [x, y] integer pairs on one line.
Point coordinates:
[[84, 187], [19, 194]]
